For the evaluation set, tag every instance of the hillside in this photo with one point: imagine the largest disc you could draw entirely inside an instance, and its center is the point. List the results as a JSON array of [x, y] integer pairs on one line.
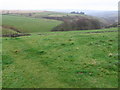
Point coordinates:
[[69, 22], [110, 17], [75, 59], [78, 21], [35, 56], [28, 25], [84, 22]]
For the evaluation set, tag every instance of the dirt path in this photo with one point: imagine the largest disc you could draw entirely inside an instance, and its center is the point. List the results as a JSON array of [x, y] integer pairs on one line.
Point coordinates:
[[81, 32], [15, 35], [101, 31], [18, 34], [22, 34]]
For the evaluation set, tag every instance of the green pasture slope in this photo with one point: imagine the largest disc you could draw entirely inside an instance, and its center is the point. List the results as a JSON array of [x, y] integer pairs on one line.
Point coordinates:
[[61, 60], [29, 25]]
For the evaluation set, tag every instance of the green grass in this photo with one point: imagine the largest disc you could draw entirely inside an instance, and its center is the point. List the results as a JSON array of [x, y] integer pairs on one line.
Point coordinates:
[[29, 25], [61, 60]]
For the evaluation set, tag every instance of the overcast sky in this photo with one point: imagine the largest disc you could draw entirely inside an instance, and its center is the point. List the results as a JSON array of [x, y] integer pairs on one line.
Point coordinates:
[[59, 4]]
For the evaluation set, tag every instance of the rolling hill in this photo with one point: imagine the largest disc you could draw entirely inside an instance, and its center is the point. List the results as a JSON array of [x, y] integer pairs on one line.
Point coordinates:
[[45, 59], [29, 25]]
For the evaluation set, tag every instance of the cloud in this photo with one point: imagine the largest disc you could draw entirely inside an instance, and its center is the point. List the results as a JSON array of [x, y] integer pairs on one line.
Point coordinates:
[[60, 4]]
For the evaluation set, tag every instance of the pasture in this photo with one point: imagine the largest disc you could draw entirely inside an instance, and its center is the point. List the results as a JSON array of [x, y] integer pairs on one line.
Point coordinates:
[[29, 25], [61, 60], [45, 59]]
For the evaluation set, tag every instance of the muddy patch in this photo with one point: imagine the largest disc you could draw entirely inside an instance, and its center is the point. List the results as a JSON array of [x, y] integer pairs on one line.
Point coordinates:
[[101, 31], [12, 28], [16, 35], [92, 31]]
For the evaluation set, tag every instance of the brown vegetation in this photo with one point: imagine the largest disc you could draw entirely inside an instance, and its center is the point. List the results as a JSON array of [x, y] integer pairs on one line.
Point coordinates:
[[12, 28], [19, 11], [77, 23], [16, 35]]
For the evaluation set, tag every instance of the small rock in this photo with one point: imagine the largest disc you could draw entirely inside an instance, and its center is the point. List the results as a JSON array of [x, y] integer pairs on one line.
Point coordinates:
[[110, 55]]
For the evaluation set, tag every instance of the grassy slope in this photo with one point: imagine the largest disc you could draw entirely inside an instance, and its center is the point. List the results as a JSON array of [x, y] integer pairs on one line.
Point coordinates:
[[8, 31], [60, 59], [30, 25]]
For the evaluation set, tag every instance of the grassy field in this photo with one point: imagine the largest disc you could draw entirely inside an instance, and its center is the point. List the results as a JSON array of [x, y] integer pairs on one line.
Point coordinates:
[[29, 25], [60, 59]]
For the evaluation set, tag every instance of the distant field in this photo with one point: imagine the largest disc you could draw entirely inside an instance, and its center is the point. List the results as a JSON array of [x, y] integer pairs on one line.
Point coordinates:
[[36, 22], [61, 60], [53, 14], [29, 25], [20, 11], [71, 21]]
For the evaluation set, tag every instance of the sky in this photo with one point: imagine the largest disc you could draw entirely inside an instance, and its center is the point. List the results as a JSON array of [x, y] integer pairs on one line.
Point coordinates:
[[58, 4]]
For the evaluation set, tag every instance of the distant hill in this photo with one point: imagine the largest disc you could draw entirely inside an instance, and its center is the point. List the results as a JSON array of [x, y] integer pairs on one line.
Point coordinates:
[[19, 11], [71, 21], [111, 17]]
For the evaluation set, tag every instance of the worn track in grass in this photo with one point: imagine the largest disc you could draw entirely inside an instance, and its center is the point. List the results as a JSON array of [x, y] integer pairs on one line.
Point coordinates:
[[86, 32], [22, 34]]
